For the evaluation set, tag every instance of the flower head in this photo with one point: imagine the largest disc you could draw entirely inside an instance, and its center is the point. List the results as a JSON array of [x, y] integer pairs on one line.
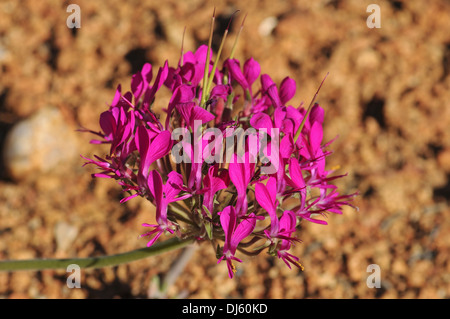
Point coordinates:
[[206, 166]]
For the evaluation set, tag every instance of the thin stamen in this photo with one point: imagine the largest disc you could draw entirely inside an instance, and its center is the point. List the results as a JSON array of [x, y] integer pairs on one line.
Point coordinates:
[[309, 110], [182, 47], [218, 55], [205, 75], [237, 38]]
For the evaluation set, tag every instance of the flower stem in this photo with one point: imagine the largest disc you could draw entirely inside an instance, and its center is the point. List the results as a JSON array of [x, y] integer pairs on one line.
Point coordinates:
[[95, 262]]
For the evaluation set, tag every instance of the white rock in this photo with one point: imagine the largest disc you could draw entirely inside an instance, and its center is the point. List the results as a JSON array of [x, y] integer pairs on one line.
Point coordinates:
[[267, 26], [39, 144], [65, 234]]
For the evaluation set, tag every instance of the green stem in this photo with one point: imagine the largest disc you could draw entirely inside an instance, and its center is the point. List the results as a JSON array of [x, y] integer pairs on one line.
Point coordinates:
[[95, 262]]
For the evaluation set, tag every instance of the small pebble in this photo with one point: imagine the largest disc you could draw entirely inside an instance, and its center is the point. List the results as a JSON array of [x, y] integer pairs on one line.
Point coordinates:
[[65, 234]]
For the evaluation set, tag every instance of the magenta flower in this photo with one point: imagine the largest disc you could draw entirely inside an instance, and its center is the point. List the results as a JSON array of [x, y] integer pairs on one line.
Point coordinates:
[[193, 66], [140, 81], [287, 225], [182, 94], [262, 121], [287, 90], [191, 113], [270, 88], [266, 196], [213, 183], [150, 150], [163, 194], [295, 179], [234, 67], [235, 231], [241, 172], [150, 93], [252, 70]]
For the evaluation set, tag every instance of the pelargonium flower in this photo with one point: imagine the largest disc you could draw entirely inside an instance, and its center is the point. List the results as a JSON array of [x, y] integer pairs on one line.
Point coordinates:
[[226, 161], [163, 195], [234, 232]]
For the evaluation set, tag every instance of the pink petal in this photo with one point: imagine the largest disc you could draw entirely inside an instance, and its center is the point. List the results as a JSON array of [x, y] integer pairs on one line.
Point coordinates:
[[228, 222], [117, 96], [160, 146], [200, 54], [316, 114], [286, 146], [147, 73], [295, 117], [137, 85], [270, 89], [142, 141], [265, 197], [212, 182], [159, 81], [156, 186], [288, 221], [108, 124], [173, 185], [244, 229], [221, 91], [279, 114], [185, 109], [287, 90], [199, 65], [200, 114], [261, 120], [236, 73], [271, 187], [316, 136], [295, 173], [237, 174], [251, 70]]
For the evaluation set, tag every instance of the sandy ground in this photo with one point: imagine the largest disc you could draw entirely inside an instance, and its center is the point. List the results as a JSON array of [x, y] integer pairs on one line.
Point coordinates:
[[386, 98]]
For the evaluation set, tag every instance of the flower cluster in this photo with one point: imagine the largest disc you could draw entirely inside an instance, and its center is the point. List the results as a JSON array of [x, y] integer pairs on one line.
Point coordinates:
[[244, 199]]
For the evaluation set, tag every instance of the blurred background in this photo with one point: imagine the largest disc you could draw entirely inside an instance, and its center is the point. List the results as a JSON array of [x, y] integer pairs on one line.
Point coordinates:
[[386, 98]]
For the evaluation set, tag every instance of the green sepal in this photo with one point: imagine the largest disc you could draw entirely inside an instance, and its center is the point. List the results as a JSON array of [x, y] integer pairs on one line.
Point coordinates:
[[208, 228], [266, 244], [207, 211]]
